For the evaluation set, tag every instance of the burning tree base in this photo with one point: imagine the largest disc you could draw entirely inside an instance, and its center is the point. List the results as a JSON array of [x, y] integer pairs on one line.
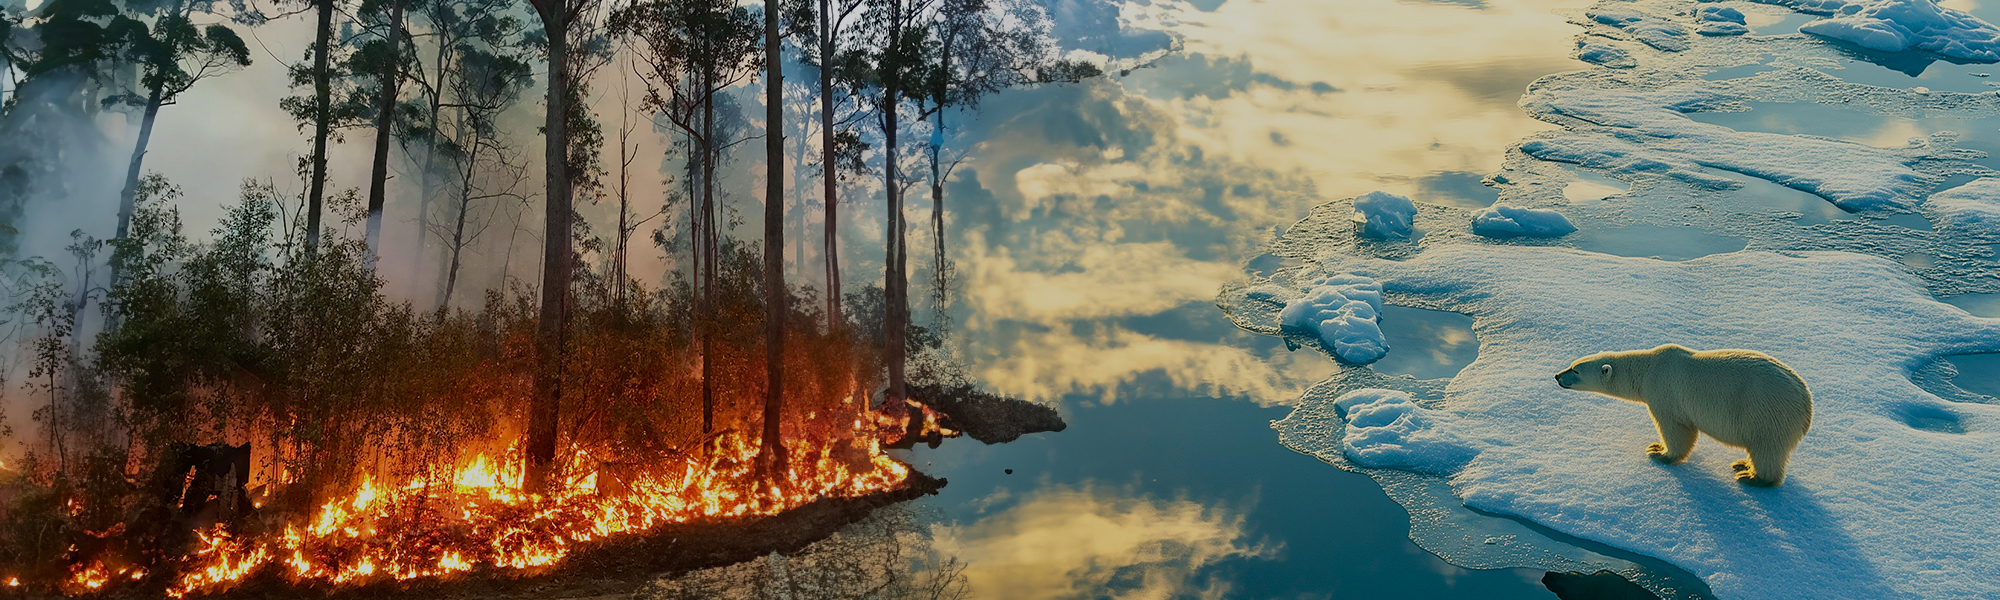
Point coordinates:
[[478, 523], [625, 564]]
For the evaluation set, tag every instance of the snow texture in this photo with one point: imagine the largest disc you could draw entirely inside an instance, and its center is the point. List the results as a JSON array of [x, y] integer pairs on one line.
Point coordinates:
[[1604, 54], [1815, 7], [1721, 20], [1613, 154], [1383, 215], [1973, 208], [1898, 25], [1344, 311], [1869, 178], [1386, 428], [1654, 31], [1889, 495], [1509, 221]]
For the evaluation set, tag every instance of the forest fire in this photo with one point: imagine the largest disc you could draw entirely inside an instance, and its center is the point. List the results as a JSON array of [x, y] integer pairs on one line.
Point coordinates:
[[478, 518]]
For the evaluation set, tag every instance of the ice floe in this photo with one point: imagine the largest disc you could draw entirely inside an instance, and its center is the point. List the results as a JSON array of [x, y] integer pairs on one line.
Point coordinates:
[[1604, 54], [1721, 20], [1383, 215], [1972, 208], [1344, 312], [1512, 221], [1654, 31], [1881, 501], [1386, 428], [1898, 25], [1867, 177]]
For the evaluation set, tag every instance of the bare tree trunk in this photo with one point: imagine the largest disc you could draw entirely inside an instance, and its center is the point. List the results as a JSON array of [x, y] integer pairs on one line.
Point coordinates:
[[429, 172], [378, 175], [458, 229], [829, 170], [125, 197], [710, 239], [624, 204], [322, 113], [553, 325], [897, 327], [775, 294], [940, 273], [457, 247]]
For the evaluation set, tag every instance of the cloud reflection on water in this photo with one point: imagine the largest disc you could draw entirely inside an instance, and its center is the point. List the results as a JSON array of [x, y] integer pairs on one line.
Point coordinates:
[[1129, 196], [1096, 541]]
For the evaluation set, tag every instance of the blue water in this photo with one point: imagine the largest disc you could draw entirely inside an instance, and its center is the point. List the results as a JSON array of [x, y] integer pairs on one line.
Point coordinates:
[[1977, 373], [1340, 537]]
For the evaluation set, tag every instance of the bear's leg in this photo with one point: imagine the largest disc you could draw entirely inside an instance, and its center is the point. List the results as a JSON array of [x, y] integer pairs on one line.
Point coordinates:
[[1676, 441], [1764, 468]]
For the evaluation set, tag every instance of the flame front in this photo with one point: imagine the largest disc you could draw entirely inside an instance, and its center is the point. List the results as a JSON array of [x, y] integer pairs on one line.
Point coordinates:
[[480, 516]]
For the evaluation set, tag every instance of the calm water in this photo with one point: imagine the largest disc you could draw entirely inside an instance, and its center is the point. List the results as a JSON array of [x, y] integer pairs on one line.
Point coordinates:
[[1098, 221]]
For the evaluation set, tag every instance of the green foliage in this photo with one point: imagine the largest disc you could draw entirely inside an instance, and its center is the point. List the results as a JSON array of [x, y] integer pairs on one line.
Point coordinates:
[[1068, 71], [691, 48], [80, 36]]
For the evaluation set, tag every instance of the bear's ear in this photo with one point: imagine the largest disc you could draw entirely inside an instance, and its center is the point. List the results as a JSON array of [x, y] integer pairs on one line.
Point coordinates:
[[1606, 369]]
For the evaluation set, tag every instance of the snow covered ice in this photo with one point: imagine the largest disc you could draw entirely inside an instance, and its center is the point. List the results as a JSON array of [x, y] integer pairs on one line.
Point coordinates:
[[1654, 31], [1721, 20], [1878, 503], [1648, 132], [1604, 54], [1898, 25], [1383, 215], [1889, 495], [1386, 428], [1512, 221], [1973, 208], [1343, 311]]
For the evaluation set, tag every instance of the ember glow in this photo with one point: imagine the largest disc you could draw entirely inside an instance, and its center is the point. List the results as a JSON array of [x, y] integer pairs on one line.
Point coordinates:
[[479, 518]]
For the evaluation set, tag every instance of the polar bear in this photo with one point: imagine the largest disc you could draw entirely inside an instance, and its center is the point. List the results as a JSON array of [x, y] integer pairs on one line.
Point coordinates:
[[1742, 398]]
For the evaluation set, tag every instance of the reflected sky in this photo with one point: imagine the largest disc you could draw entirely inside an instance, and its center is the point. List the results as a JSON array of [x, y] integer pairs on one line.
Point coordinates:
[[1093, 540], [1187, 494], [1096, 222], [1093, 227]]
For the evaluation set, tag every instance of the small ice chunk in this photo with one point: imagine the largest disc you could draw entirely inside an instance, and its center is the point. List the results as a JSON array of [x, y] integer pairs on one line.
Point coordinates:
[[1386, 429], [1720, 14], [1721, 20], [1898, 25], [1813, 7], [1270, 292], [1512, 221], [1713, 28], [1971, 208], [1604, 54], [1654, 31], [1345, 312], [1383, 215]]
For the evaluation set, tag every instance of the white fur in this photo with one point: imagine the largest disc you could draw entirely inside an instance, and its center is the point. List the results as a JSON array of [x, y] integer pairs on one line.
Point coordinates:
[[1742, 398]]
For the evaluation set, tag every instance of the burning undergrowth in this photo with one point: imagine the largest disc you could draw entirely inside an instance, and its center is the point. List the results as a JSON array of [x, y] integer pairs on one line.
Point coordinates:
[[255, 413]]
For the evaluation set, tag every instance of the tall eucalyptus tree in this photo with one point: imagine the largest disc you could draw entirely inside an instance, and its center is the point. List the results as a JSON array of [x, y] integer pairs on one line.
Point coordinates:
[[693, 49]]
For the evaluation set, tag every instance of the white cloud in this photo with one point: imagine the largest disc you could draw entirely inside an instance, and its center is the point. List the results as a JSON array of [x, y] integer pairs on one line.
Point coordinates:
[[1094, 542]]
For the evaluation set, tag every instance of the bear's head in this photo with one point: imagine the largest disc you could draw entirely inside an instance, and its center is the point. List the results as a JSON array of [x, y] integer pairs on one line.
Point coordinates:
[[1592, 373]]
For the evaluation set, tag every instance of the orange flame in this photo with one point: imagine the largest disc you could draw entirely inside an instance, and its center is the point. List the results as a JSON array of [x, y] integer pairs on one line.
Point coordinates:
[[481, 515]]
